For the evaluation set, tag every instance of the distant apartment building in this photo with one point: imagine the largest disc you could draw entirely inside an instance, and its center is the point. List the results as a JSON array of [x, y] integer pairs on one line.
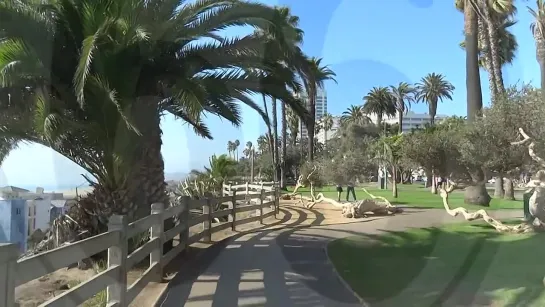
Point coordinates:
[[331, 133], [23, 212], [321, 109], [411, 120]]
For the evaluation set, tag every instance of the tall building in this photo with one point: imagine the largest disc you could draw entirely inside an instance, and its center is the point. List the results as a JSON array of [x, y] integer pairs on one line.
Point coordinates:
[[411, 120], [321, 109]]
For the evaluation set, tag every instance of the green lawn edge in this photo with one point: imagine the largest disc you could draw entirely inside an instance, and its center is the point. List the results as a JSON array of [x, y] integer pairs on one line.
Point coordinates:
[[459, 263]]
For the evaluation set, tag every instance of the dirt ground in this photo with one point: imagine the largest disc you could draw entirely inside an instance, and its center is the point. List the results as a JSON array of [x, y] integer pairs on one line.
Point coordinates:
[[40, 290]]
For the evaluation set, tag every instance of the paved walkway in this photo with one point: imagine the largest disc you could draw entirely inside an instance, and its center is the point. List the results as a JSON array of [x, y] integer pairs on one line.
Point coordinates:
[[283, 267]]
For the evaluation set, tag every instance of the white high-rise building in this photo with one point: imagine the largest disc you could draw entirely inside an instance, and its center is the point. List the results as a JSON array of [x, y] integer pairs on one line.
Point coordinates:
[[411, 120], [321, 109]]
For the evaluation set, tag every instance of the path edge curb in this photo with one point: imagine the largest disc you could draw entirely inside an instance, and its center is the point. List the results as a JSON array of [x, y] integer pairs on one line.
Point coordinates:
[[339, 277]]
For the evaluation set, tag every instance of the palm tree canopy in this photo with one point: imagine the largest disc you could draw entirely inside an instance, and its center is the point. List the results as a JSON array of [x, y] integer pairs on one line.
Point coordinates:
[[403, 94], [379, 101], [434, 88], [83, 64], [355, 114]]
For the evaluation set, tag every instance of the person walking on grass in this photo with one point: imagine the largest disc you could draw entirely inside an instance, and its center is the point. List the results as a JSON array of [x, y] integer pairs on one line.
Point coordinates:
[[350, 188], [339, 191]]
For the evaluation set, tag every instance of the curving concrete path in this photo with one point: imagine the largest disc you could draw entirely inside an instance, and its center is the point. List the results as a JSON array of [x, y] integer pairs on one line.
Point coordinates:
[[285, 263]]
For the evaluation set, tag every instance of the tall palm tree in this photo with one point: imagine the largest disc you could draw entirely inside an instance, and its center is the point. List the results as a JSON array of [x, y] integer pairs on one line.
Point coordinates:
[[236, 144], [249, 153], [473, 81], [230, 147], [538, 30], [431, 89], [507, 47], [356, 115], [379, 101], [314, 77], [262, 144], [494, 11], [293, 125], [326, 123], [403, 94], [99, 86]]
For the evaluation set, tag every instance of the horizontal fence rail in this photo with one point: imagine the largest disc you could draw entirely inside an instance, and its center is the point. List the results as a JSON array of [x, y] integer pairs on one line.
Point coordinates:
[[261, 198]]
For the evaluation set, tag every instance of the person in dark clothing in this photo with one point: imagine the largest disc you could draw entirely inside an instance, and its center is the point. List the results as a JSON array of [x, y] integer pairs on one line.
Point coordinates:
[[350, 188], [339, 192]]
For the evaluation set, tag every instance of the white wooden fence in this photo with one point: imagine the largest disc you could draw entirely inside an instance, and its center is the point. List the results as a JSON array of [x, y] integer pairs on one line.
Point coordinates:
[[15, 272]]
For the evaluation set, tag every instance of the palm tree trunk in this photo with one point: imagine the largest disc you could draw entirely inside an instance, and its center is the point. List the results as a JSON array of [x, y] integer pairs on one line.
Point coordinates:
[[312, 111], [473, 82], [484, 38], [540, 57], [252, 155], [542, 70], [275, 139], [269, 130], [394, 182], [432, 107], [494, 53], [284, 147], [400, 130]]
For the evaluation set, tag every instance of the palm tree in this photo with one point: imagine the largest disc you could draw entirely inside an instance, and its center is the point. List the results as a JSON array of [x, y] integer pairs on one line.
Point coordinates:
[[473, 81], [379, 101], [262, 144], [97, 92], [403, 94], [220, 168], [249, 152], [236, 144], [293, 125], [355, 115], [431, 89], [538, 30], [327, 124], [314, 78], [507, 47], [230, 148]]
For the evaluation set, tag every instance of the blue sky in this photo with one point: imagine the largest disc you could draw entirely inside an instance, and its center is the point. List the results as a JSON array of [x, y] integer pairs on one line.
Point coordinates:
[[366, 42]]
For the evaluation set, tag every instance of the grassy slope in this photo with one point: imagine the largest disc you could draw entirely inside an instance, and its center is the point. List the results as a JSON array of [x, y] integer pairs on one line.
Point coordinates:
[[456, 265], [417, 196]]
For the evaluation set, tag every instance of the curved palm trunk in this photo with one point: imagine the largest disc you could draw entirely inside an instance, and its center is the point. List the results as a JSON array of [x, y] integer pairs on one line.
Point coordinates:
[[473, 85], [284, 147]]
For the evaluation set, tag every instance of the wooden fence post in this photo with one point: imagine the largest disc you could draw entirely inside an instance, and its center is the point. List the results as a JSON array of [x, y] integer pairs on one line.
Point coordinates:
[[207, 224], [233, 207], [8, 261], [260, 212], [248, 191], [117, 256], [157, 230], [184, 218]]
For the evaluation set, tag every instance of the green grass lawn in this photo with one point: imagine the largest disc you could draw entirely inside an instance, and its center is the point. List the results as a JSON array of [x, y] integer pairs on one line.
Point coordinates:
[[457, 265], [416, 195]]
